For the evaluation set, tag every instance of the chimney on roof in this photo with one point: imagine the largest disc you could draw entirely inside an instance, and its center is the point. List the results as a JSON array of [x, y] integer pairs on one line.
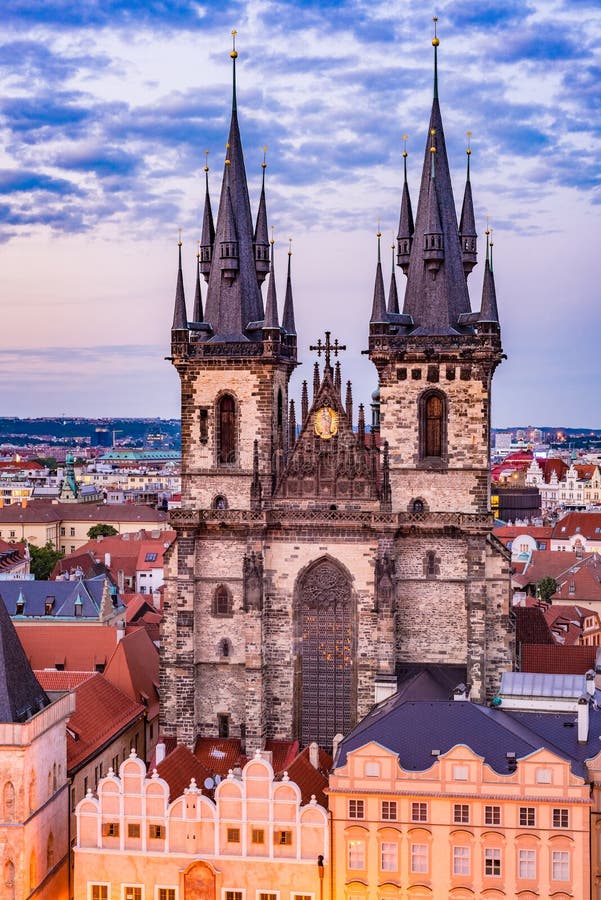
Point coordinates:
[[314, 754], [461, 692], [121, 580], [335, 744], [583, 719], [590, 683], [107, 560], [120, 630]]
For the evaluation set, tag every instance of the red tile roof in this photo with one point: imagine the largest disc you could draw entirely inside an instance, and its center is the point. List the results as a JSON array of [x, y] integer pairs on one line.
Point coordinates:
[[53, 680], [550, 466], [508, 532], [282, 753], [80, 648], [178, 769], [557, 660], [587, 524], [102, 712], [219, 755], [134, 669], [311, 781]]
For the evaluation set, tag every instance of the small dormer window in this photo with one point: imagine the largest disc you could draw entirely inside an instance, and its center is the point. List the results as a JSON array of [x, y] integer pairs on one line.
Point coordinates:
[[20, 608], [49, 606]]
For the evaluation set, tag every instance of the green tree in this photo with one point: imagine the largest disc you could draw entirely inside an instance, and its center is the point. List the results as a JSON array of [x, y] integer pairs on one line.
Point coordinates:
[[545, 588], [43, 560], [49, 462], [101, 530]]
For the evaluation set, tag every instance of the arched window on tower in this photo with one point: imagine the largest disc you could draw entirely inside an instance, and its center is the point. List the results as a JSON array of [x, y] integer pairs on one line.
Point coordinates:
[[226, 430], [9, 879], [222, 601], [280, 410], [433, 425], [225, 649], [8, 802]]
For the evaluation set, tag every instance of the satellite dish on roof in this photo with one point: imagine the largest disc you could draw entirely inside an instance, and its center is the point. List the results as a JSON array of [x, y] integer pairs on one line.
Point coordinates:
[[217, 780], [209, 784]]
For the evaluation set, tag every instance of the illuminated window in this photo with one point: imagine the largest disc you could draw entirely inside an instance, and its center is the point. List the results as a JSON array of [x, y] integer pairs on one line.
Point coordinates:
[[132, 892], [99, 891], [356, 854], [282, 837], [166, 893], [258, 836], [233, 895]]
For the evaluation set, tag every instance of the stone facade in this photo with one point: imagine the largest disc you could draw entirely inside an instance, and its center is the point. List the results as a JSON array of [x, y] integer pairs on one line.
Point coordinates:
[[310, 566]]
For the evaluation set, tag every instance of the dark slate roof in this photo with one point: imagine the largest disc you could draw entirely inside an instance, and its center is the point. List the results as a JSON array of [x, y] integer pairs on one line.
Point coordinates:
[[378, 311], [20, 693], [413, 729], [232, 304], [436, 303], [288, 315], [180, 318], [531, 627], [67, 594]]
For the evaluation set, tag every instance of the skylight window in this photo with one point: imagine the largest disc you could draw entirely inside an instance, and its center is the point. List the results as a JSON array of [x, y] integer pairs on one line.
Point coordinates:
[[150, 557]]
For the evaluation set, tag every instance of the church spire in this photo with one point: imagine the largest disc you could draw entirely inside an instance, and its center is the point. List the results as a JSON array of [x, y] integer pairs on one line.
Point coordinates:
[[489, 314], [180, 318], [197, 314], [435, 303], [406, 225], [233, 296], [378, 311], [288, 315], [467, 223], [271, 307], [393, 295], [207, 237], [261, 241]]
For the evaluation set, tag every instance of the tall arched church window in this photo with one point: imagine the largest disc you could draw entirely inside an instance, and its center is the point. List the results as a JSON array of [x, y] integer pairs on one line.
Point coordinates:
[[226, 430], [222, 601], [433, 425], [280, 410]]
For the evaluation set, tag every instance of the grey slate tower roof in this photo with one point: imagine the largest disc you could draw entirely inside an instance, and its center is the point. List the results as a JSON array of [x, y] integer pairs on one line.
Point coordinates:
[[288, 315], [436, 299], [406, 223], [197, 314], [393, 294], [488, 309], [271, 307], [20, 693], [207, 238], [232, 303], [180, 318], [378, 310], [467, 222], [262, 233]]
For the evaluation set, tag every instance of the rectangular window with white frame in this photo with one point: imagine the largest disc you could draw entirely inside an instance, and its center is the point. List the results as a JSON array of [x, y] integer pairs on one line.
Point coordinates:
[[492, 815], [527, 864], [389, 856], [527, 817], [388, 810], [132, 892], [560, 865], [461, 860], [419, 857], [268, 895], [229, 894], [561, 817], [419, 812], [356, 809], [165, 893], [356, 854], [492, 862], [461, 813], [99, 891]]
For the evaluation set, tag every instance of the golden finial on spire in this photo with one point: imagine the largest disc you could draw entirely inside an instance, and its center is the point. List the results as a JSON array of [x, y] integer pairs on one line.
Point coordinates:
[[405, 136], [491, 231], [487, 225], [435, 41], [264, 163], [289, 246], [227, 154], [206, 161], [179, 238], [379, 231], [433, 134], [469, 142], [234, 53]]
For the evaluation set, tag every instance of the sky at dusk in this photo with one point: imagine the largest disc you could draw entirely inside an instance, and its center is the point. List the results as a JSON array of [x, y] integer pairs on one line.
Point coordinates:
[[107, 108]]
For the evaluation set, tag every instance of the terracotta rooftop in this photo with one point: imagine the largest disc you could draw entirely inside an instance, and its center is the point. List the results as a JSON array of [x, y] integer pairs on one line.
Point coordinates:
[[102, 712], [134, 669], [178, 769], [587, 524], [311, 781], [54, 681], [552, 466], [219, 755], [557, 660], [46, 511], [79, 648], [509, 532]]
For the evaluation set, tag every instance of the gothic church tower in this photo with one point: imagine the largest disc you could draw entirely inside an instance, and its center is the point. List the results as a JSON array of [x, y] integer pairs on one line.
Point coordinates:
[[316, 562]]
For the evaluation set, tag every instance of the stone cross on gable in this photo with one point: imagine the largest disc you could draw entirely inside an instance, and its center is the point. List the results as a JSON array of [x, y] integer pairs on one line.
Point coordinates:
[[327, 348]]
